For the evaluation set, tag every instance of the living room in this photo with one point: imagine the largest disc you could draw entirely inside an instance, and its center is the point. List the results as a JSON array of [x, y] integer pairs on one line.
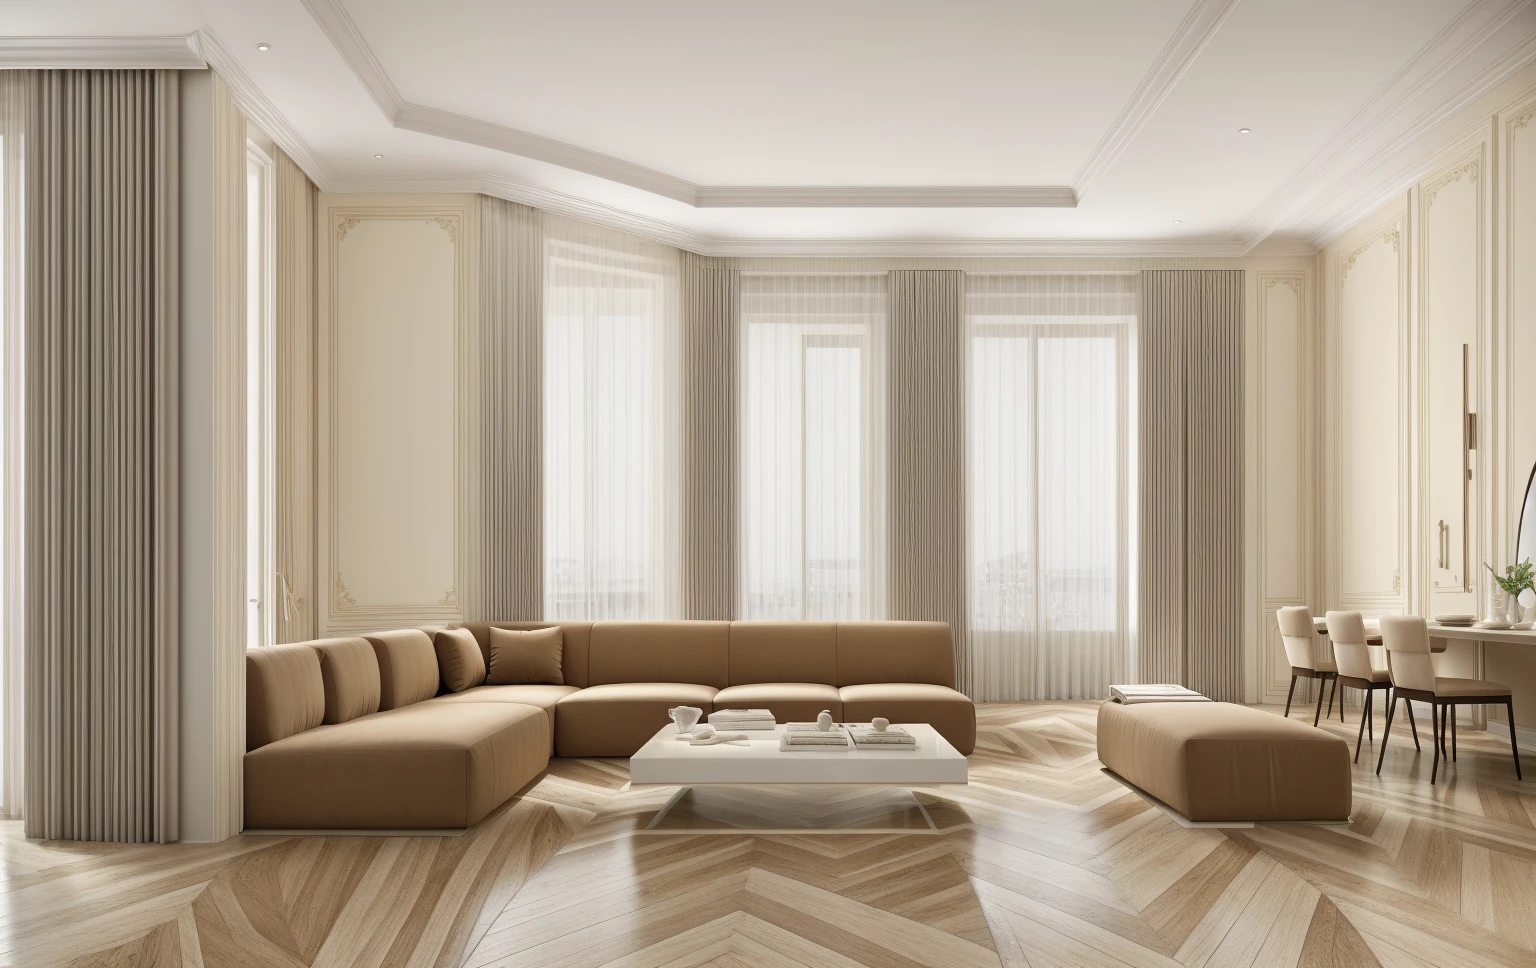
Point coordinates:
[[719, 485]]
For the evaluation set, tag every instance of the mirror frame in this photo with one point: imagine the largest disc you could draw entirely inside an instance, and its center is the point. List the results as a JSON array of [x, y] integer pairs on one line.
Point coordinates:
[[1525, 503]]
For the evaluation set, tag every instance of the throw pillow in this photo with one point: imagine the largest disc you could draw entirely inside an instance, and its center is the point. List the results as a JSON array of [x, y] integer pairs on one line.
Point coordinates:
[[458, 659], [526, 658]]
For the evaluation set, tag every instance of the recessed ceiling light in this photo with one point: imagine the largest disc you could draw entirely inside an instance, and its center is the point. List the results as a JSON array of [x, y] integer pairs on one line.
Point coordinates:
[[263, 46], [1178, 221], [1245, 131], [378, 156]]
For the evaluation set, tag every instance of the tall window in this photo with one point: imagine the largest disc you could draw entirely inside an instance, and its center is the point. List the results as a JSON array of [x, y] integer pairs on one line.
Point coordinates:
[[611, 423], [1048, 448], [260, 331], [812, 446]]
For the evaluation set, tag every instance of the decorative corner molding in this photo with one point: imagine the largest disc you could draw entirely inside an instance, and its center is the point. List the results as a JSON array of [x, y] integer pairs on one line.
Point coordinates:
[[1524, 119], [1397, 581], [449, 225], [1347, 261], [1293, 283], [451, 597], [343, 226], [1468, 170], [343, 598]]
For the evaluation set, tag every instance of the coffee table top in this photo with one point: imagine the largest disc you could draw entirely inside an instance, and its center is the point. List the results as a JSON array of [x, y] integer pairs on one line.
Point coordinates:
[[667, 760]]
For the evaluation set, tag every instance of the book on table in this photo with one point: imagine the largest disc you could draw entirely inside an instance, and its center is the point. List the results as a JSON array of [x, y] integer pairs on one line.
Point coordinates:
[[809, 736], [1154, 692]]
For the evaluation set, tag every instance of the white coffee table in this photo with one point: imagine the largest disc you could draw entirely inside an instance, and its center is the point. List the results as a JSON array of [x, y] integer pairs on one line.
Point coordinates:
[[754, 787]]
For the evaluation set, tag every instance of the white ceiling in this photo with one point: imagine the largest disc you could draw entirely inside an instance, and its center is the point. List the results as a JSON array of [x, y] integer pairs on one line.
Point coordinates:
[[856, 125]]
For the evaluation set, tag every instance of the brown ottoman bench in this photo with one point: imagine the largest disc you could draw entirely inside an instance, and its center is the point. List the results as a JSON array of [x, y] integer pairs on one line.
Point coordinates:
[[1217, 762]]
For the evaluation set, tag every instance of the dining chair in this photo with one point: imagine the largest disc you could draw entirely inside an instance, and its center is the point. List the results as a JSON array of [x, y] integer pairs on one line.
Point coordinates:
[[1413, 677], [1352, 656], [1300, 637]]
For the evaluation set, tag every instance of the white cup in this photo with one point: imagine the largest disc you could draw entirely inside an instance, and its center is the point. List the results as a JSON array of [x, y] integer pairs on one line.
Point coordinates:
[[685, 717]]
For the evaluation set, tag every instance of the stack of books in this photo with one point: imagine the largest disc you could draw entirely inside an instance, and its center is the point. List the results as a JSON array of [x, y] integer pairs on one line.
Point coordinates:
[[809, 736], [742, 719], [867, 737], [1154, 692]]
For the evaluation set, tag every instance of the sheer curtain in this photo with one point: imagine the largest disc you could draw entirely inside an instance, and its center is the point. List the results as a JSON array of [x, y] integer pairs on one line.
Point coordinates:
[[1049, 447], [812, 438], [13, 87], [611, 425]]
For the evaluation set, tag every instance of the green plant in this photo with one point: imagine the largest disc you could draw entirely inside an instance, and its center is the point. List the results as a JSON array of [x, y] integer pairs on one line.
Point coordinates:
[[1516, 578]]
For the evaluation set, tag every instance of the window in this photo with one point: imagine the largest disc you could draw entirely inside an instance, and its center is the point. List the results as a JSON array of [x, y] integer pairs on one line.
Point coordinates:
[[611, 421], [260, 329], [1048, 450], [812, 446]]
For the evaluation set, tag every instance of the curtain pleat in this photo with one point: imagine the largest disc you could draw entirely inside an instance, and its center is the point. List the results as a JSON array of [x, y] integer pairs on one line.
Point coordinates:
[[711, 307], [508, 389], [101, 456], [926, 507], [294, 473], [1191, 491]]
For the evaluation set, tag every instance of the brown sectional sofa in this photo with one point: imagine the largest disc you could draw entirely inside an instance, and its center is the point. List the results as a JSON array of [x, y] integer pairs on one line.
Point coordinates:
[[357, 733]]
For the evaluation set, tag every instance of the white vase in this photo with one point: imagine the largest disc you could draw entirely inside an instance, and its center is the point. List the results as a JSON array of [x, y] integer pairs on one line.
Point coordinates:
[[1512, 609]]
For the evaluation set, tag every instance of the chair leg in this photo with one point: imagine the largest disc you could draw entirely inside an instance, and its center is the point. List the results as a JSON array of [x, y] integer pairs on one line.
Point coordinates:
[[1364, 714], [1386, 732], [1514, 745], [1452, 713], [1445, 728], [1434, 742], [1342, 696], [1288, 694], [1322, 687], [1370, 714], [1331, 693], [1413, 725]]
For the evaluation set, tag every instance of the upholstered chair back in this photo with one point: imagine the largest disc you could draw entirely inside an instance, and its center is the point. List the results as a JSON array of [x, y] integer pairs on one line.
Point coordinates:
[[1299, 636], [1407, 640], [1350, 651]]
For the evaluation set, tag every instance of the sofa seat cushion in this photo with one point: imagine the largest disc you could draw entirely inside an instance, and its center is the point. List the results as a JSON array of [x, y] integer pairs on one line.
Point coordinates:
[[423, 766], [790, 702], [1221, 762], [545, 697], [948, 711], [616, 719]]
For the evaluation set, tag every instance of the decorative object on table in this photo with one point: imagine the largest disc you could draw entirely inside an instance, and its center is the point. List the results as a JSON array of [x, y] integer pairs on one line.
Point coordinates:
[[709, 736], [824, 720], [1154, 692], [685, 717], [1456, 621], [873, 736], [1516, 579], [880, 723], [1528, 605], [742, 719], [810, 736]]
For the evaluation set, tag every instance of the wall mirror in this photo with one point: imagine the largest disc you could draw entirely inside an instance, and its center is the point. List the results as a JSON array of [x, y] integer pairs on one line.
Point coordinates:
[[1525, 543]]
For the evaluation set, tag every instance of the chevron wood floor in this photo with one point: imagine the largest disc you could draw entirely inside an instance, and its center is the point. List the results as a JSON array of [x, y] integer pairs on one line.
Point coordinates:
[[1042, 861]]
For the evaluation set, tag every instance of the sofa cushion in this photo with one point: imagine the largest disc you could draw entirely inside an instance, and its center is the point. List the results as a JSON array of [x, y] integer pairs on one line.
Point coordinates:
[[349, 674], [574, 645], [895, 652], [459, 660], [425, 766], [783, 652], [524, 658], [284, 694], [545, 697], [790, 702], [948, 711], [1216, 761], [407, 667], [616, 719], [697, 652]]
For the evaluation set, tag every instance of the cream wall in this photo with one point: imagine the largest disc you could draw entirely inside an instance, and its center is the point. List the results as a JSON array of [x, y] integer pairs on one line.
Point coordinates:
[[394, 296], [1448, 264]]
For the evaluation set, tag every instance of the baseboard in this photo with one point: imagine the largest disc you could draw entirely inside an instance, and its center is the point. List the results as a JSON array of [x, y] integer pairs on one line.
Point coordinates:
[[1525, 735], [456, 832]]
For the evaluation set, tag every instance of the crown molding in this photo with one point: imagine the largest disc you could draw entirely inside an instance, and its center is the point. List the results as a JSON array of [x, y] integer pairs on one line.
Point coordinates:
[[1316, 188], [100, 53], [981, 196], [1194, 32], [257, 107]]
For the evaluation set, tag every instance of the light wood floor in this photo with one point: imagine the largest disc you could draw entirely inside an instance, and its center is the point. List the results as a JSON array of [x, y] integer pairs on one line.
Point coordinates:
[[1043, 862]]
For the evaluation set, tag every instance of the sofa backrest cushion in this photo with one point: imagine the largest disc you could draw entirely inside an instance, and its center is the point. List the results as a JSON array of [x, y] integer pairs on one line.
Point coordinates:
[[696, 652], [574, 645], [783, 652], [895, 652], [407, 666], [459, 659], [349, 674], [284, 693]]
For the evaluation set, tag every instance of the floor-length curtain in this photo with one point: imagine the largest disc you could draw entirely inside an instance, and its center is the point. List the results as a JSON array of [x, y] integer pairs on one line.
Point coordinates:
[[1191, 492], [812, 437], [101, 456], [294, 473], [508, 392], [15, 90], [612, 425], [926, 390], [711, 309], [1049, 445]]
